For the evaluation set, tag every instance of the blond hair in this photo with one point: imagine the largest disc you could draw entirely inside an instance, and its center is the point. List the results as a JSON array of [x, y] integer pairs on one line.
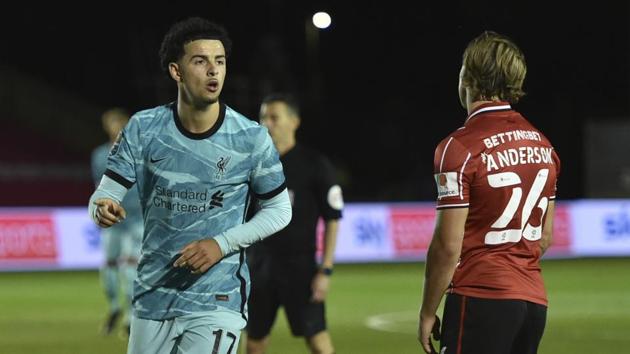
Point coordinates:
[[494, 67]]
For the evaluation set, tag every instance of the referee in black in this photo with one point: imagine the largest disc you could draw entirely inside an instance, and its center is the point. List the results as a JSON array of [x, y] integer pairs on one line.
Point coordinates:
[[283, 267]]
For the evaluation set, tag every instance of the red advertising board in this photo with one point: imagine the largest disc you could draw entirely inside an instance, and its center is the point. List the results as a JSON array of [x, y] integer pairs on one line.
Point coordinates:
[[561, 239], [411, 229], [27, 237]]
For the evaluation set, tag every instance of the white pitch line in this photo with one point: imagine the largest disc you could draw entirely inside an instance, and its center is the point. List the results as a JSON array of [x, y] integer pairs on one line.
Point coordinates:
[[404, 322]]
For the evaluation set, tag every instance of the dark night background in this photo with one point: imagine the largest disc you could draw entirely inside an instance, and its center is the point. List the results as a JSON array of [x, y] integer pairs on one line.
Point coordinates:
[[378, 88]]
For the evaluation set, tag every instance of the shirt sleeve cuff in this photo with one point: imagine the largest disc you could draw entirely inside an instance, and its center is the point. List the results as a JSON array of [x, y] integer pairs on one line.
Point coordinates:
[[223, 243]]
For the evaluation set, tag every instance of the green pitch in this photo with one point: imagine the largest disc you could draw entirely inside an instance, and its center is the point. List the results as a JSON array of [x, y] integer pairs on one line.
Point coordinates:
[[371, 309]]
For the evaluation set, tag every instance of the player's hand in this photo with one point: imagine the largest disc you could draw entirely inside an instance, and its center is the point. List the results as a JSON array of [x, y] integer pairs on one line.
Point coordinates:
[[319, 287], [429, 325], [199, 256], [108, 212]]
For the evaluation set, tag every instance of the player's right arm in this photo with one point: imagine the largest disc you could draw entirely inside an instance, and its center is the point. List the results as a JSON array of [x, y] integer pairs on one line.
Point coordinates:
[[453, 170], [104, 205], [442, 258]]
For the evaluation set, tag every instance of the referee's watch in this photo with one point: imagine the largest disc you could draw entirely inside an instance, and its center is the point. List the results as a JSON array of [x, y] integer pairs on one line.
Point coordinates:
[[326, 271]]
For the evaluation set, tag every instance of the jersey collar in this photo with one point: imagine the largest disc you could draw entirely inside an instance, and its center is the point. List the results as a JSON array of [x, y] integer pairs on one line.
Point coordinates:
[[489, 107], [199, 136]]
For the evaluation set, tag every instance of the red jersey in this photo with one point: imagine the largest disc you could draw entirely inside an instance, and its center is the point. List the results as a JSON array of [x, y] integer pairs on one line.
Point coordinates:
[[504, 170]]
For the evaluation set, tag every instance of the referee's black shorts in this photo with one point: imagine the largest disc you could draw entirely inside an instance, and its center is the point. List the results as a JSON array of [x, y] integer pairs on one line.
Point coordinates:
[[287, 283], [474, 325]]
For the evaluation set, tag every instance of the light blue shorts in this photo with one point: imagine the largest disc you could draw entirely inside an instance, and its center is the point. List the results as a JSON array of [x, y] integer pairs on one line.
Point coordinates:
[[216, 332]]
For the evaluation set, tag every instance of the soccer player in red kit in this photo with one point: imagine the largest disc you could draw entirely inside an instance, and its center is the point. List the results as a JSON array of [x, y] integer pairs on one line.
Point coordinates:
[[496, 180]]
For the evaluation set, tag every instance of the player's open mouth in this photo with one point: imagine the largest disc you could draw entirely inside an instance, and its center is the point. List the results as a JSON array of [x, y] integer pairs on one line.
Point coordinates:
[[213, 86]]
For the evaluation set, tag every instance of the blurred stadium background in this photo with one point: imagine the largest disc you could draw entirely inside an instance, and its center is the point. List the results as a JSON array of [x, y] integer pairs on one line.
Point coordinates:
[[378, 91]]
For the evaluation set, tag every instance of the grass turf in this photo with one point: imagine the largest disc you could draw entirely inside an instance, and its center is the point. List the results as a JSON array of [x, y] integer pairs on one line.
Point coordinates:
[[371, 309]]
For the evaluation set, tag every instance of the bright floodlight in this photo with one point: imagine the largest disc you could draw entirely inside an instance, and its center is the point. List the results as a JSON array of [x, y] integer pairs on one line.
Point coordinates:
[[321, 20]]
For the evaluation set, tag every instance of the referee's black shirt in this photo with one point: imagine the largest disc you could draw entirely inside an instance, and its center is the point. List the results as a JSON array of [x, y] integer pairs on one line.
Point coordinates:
[[310, 178]]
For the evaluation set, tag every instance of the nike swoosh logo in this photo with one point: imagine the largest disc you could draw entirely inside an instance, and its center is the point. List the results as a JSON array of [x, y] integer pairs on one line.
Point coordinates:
[[157, 160]]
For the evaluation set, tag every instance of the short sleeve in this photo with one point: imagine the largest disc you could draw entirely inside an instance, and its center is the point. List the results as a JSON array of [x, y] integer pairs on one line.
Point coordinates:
[[121, 161], [329, 193], [453, 174], [267, 177]]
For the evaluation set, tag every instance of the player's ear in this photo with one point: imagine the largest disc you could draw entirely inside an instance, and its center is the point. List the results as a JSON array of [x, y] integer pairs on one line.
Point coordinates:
[[296, 121], [173, 70]]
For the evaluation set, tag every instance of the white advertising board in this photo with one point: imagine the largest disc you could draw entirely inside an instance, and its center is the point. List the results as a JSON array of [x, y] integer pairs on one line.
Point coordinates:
[[65, 238]]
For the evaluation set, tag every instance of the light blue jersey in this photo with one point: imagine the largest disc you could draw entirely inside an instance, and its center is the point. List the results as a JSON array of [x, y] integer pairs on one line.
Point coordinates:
[[192, 187]]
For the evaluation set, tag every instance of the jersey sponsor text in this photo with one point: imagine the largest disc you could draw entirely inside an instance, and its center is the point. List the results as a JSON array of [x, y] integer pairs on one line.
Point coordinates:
[[515, 135]]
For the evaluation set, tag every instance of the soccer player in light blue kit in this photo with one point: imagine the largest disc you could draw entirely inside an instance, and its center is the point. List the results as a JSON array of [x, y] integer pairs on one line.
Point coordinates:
[[120, 243], [194, 162]]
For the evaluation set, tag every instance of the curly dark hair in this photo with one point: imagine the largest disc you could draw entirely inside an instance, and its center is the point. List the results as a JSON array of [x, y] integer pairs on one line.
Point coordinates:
[[186, 31]]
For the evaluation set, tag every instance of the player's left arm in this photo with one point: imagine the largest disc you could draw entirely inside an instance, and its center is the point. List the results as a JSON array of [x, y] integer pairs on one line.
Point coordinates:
[[442, 257], [321, 281], [330, 204], [274, 214], [547, 231], [267, 182]]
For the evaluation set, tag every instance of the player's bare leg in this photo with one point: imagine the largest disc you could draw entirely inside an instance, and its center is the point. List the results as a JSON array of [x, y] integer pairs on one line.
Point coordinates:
[[128, 270], [321, 343], [110, 280], [257, 346]]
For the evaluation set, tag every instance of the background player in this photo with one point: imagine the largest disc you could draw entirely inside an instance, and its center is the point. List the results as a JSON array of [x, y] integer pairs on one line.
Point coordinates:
[[195, 162], [496, 180], [284, 267], [121, 243]]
